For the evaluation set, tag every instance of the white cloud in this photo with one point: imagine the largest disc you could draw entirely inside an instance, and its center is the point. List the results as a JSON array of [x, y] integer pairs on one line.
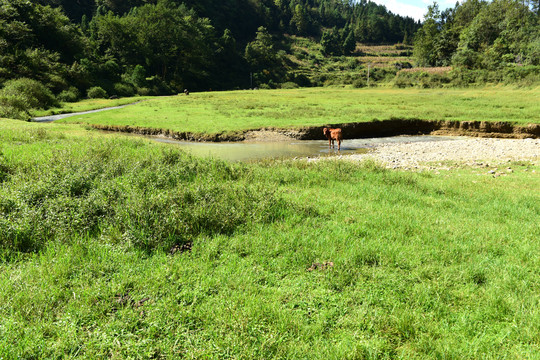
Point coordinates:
[[400, 8], [406, 8]]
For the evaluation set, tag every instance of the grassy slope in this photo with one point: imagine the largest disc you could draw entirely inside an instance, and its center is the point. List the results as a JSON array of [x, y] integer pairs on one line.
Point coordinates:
[[424, 265], [229, 111]]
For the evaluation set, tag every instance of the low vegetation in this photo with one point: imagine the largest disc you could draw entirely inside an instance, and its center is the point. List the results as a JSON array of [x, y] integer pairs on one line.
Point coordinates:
[[214, 112], [118, 247]]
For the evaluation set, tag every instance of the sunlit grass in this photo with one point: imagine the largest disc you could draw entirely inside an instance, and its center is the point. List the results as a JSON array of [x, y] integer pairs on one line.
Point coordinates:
[[417, 265], [215, 112]]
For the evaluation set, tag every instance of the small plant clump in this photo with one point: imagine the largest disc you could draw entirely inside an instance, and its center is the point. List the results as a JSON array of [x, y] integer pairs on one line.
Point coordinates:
[[96, 92]]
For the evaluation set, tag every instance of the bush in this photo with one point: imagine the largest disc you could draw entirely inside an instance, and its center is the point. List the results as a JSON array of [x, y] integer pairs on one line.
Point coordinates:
[[144, 91], [96, 92], [359, 83], [70, 95], [289, 85], [13, 107], [32, 93], [122, 89]]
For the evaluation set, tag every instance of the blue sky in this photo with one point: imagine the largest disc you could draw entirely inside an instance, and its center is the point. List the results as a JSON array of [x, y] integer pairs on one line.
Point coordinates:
[[413, 8]]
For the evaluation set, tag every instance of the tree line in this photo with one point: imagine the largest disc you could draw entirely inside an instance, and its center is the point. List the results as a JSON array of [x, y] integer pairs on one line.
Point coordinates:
[[478, 34], [151, 47]]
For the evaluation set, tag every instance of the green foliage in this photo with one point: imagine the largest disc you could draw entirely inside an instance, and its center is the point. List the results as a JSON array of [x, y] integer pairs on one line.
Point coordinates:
[[170, 40], [148, 200], [13, 107], [359, 83], [71, 95], [478, 35], [32, 92], [289, 85], [138, 76], [231, 112], [260, 53], [96, 92], [107, 42], [298, 259], [349, 44], [20, 96], [124, 90], [37, 42], [426, 38], [264, 62], [331, 43]]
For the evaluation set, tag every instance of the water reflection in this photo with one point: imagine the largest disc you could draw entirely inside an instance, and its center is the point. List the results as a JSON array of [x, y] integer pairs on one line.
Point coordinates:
[[249, 151]]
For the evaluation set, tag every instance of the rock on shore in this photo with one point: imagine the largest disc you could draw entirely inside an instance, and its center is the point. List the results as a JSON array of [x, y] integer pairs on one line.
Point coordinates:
[[437, 154]]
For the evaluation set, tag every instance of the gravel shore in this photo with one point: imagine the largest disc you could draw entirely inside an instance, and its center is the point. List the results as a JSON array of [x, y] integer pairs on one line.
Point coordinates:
[[442, 154]]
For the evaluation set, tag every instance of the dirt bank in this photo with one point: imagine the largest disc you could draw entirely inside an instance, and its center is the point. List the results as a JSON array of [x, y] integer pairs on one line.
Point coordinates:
[[352, 131]]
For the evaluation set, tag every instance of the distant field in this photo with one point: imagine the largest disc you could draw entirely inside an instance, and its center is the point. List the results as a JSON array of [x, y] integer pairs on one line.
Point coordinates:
[[215, 112]]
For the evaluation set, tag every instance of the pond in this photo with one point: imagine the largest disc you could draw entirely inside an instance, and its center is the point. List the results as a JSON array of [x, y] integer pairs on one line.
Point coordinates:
[[259, 150]]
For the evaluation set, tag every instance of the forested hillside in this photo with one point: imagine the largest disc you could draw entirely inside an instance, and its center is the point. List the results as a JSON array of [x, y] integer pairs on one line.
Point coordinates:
[[479, 34], [162, 46], [66, 50]]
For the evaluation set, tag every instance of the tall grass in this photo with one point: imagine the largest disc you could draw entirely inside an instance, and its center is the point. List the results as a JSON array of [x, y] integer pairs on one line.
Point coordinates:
[[126, 191], [288, 259]]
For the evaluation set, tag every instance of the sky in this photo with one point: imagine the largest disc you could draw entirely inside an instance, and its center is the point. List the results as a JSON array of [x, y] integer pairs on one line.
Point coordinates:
[[413, 8]]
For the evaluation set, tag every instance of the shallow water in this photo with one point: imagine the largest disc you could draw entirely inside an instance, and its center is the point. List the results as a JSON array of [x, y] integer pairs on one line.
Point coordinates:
[[250, 151]]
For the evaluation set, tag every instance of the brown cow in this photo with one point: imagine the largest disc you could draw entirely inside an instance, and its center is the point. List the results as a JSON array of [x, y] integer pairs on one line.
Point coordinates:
[[332, 135]]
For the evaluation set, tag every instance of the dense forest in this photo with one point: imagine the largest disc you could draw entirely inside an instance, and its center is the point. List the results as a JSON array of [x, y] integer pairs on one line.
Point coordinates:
[[64, 50], [479, 34], [162, 46]]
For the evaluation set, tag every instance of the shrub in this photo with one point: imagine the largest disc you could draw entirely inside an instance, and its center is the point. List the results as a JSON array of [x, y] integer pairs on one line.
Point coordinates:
[[13, 107], [144, 91], [96, 92], [138, 76], [122, 89], [289, 85], [359, 83], [32, 93], [70, 95]]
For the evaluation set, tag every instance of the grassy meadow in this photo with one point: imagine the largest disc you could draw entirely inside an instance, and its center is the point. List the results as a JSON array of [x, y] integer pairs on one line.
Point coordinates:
[[215, 112], [118, 247]]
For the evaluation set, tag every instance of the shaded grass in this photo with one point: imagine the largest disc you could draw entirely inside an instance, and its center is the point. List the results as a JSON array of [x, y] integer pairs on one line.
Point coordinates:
[[217, 112], [424, 265]]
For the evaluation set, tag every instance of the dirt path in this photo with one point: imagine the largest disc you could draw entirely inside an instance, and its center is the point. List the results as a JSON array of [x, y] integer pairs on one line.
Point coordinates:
[[440, 154], [51, 118]]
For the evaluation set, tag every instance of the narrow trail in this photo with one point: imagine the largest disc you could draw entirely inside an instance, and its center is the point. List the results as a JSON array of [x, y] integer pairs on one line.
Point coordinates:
[[51, 118]]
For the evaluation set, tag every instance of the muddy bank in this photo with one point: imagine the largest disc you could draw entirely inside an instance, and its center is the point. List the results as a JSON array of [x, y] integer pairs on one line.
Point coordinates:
[[393, 127]]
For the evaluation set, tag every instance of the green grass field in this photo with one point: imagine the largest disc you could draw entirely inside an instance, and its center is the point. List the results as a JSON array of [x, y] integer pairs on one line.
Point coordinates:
[[215, 112], [288, 259]]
